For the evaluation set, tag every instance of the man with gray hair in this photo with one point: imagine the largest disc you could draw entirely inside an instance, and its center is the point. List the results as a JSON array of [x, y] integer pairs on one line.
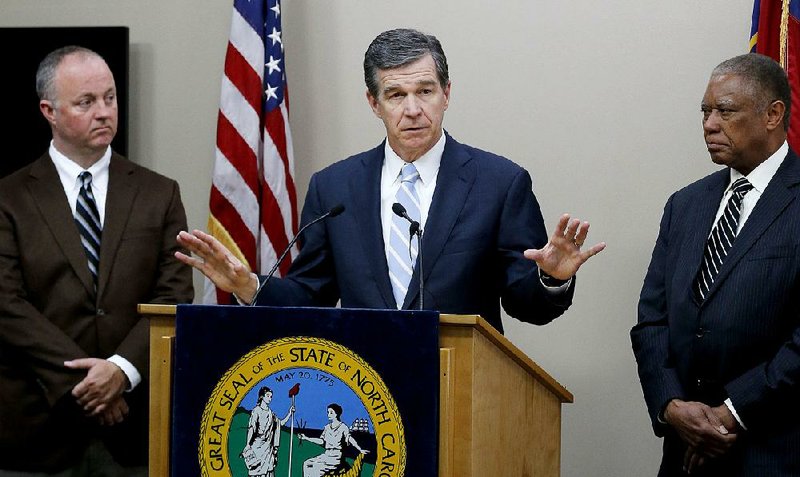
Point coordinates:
[[85, 235], [718, 336], [484, 239]]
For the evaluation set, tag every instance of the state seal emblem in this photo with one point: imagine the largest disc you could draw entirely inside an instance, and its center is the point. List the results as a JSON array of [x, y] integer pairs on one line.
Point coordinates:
[[301, 406]]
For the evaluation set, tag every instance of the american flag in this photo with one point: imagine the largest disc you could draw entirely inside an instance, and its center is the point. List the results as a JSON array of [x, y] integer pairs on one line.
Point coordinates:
[[253, 205]]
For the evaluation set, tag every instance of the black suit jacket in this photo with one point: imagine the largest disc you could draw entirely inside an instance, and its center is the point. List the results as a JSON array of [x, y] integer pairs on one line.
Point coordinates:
[[49, 312], [743, 341], [482, 217]]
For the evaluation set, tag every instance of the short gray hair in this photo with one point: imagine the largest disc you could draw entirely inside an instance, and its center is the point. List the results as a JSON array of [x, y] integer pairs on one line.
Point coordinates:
[[765, 78], [395, 48], [46, 73]]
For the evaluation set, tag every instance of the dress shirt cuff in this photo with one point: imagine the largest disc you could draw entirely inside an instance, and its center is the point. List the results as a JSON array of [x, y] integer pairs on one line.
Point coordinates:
[[729, 405], [134, 378], [546, 282]]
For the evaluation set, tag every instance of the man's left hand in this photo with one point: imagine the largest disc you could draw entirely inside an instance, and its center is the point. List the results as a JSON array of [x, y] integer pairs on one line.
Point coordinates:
[[561, 257], [103, 383], [116, 412]]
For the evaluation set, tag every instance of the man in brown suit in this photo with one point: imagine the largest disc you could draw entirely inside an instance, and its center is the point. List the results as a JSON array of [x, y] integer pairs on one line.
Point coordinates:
[[85, 235]]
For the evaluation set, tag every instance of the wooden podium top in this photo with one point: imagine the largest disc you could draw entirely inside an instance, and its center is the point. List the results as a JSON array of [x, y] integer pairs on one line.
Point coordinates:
[[469, 321], [503, 343]]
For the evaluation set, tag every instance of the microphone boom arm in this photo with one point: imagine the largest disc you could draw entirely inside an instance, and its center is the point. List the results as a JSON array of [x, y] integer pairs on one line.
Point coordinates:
[[333, 212]]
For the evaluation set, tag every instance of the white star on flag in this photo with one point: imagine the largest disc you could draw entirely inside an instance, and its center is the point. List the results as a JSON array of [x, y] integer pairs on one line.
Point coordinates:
[[270, 92], [273, 64], [275, 36]]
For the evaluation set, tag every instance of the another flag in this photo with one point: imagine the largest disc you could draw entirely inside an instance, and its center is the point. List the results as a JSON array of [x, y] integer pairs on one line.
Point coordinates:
[[253, 205], [775, 32]]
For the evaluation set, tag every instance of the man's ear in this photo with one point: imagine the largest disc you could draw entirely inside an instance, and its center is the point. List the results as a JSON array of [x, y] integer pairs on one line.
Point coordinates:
[[48, 110], [775, 112], [373, 103]]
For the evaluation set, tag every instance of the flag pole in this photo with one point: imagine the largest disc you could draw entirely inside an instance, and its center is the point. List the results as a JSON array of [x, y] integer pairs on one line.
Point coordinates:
[[291, 439]]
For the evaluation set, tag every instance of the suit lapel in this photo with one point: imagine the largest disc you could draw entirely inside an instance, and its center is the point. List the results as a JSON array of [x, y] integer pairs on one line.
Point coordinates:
[[121, 193], [773, 202], [453, 183], [365, 189], [48, 193]]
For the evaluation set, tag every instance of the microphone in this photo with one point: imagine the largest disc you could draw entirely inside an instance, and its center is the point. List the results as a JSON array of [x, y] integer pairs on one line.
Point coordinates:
[[333, 212], [400, 211], [413, 229]]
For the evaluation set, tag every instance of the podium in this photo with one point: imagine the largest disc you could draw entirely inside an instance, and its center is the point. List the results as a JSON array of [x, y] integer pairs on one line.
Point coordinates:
[[500, 413]]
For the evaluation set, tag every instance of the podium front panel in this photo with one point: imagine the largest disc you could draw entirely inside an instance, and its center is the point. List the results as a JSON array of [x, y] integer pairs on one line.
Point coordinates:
[[279, 389]]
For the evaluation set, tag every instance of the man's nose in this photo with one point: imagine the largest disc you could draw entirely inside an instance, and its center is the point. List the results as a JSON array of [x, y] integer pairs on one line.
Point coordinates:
[[411, 106], [106, 109], [711, 122]]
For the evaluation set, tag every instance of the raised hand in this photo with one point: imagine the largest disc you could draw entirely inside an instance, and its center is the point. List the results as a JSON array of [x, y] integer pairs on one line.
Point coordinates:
[[217, 263], [561, 257]]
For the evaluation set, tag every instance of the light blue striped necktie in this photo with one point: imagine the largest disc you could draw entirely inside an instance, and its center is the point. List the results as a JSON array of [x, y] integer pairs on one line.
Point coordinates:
[[402, 254], [87, 218]]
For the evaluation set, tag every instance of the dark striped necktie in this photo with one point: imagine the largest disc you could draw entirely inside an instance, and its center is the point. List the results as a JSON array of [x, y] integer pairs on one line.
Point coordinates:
[[721, 239], [88, 219]]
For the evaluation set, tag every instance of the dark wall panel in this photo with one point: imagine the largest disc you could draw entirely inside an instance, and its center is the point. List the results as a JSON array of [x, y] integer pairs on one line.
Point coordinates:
[[24, 134]]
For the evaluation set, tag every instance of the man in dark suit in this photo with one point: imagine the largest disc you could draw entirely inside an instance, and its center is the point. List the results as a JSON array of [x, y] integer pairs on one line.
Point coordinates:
[[85, 235], [718, 336], [477, 210]]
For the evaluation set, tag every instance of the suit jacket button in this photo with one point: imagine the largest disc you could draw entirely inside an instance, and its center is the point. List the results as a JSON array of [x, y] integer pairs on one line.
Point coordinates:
[[101, 312], [701, 332]]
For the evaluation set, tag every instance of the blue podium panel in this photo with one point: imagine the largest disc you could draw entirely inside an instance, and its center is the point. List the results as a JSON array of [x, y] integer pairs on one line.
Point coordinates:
[[305, 392]]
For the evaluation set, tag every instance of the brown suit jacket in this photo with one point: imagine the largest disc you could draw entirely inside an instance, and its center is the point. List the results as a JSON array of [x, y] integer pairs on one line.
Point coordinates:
[[49, 312]]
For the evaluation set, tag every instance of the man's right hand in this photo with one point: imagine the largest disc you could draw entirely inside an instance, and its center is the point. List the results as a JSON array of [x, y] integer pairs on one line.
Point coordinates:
[[217, 263], [699, 427]]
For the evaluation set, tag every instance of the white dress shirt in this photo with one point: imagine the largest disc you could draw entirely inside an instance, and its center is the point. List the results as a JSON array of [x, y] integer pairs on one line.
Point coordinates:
[[68, 172], [760, 178], [428, 168]]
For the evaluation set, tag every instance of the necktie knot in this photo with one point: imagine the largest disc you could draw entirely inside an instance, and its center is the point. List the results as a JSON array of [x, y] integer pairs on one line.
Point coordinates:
[[86, 179], [409, 174], [741, 187]]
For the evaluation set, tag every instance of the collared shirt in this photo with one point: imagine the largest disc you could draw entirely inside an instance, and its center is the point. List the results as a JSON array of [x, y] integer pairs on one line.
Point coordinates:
[[68, 172], [760, 177], [428, 168]]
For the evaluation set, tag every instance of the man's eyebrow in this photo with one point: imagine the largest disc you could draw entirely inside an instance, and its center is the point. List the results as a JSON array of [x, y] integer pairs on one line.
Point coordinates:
[[423, 82], [726, 102]]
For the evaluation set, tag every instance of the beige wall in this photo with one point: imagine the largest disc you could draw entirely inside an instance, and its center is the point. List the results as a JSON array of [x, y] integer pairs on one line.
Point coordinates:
[[599, 100]]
